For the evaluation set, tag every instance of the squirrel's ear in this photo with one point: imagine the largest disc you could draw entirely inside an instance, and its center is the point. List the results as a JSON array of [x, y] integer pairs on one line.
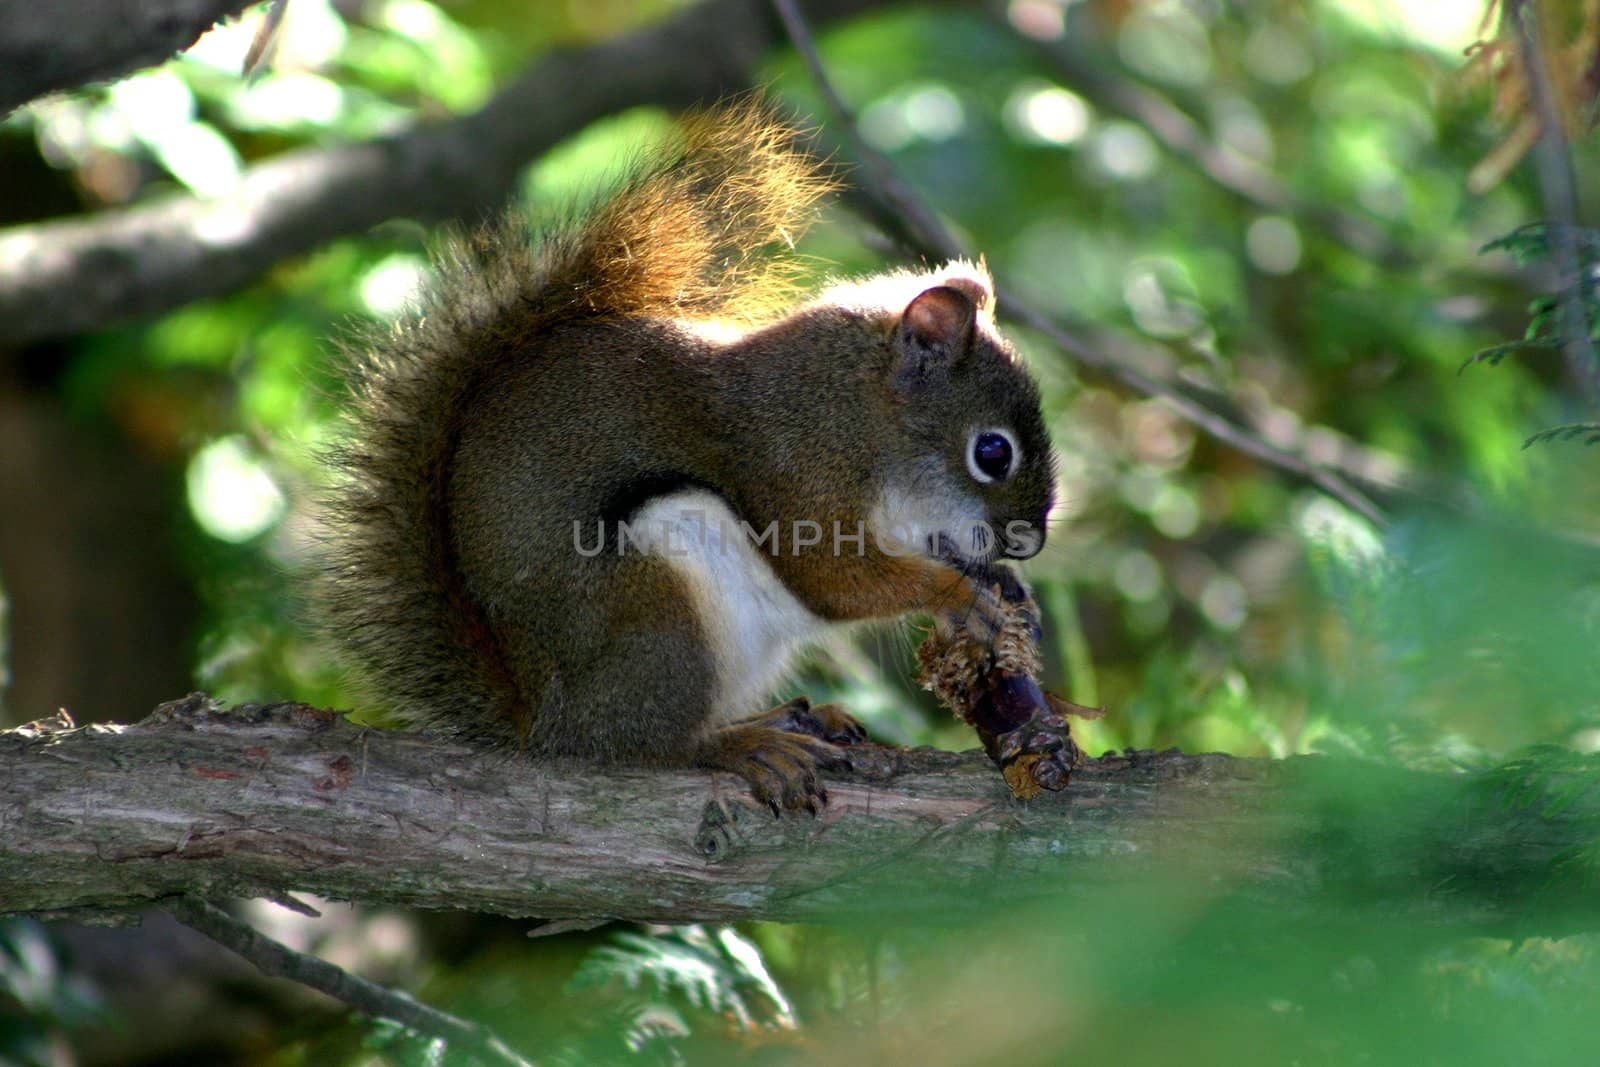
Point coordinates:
[[935, 331], [975, 288]]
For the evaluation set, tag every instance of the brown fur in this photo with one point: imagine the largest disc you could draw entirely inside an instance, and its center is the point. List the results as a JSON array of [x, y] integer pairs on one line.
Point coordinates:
[[573, 377]]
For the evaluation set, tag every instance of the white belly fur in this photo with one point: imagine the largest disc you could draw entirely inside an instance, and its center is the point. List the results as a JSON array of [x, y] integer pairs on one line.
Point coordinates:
[[755, 625]]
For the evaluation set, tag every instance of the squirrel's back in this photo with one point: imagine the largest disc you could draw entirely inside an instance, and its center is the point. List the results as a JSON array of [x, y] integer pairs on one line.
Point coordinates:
[[682, 239]]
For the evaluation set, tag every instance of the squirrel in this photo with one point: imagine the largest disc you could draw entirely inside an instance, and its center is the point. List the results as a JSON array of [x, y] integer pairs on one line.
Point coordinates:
[[602, 482]]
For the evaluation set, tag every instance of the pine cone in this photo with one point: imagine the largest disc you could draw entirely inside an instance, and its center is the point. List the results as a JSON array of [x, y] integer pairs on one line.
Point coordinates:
[[993, 685]]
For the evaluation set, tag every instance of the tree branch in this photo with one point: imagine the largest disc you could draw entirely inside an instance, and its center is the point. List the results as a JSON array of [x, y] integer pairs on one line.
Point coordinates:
[[69, 276], [369, 998], [268, 800], [66, 43]]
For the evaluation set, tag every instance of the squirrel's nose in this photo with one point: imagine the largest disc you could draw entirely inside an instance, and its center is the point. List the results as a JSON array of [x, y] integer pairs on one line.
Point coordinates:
[[1022, 540]]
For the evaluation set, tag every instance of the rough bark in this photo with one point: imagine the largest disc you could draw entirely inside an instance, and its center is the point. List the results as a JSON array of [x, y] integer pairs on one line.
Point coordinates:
[[263, 801], [65, 43]]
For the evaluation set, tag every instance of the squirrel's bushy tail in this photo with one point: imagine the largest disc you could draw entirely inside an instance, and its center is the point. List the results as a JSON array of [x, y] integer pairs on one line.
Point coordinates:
[[683, 237], [686, 237]]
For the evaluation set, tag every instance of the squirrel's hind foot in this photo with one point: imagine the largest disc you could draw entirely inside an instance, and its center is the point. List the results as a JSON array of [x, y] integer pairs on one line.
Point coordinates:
[[781, 751]]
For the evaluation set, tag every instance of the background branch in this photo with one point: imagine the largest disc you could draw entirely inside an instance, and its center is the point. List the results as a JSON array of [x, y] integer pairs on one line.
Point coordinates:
[[1559, 189], [369, 998], [1183, 138], [909, 219], [267, 800], [62, 44], [71, 276]]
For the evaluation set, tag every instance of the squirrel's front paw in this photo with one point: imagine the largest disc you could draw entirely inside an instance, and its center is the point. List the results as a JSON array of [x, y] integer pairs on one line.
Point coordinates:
[[998, 599], [985, 616], [827, 722], [780, 764]]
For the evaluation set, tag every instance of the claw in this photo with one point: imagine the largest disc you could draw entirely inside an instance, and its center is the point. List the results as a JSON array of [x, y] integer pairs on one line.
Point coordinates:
[[780, 764], [1012, 591]]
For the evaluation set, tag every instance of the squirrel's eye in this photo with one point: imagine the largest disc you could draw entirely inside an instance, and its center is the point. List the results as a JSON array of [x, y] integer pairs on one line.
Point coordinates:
[[991, 456]]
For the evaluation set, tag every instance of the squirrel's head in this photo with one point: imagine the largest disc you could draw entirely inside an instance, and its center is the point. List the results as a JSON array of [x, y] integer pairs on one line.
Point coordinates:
[[974, 477]]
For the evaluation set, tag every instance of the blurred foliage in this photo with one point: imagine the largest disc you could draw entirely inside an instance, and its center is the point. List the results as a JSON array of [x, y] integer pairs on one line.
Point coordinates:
[[1206, 601], [40, 1000], [1533, 243]]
